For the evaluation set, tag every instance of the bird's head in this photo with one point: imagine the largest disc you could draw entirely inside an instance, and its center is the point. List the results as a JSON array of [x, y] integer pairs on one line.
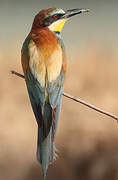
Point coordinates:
[[55, 18]]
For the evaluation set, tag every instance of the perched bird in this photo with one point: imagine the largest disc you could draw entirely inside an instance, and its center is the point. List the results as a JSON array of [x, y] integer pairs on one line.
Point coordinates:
[[44, 65]]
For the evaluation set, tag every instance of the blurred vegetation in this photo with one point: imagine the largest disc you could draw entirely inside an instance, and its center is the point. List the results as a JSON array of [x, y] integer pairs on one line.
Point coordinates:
[[87, 141]]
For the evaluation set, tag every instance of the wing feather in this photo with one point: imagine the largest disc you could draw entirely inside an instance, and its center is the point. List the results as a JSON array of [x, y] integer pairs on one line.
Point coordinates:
[[45, 97]]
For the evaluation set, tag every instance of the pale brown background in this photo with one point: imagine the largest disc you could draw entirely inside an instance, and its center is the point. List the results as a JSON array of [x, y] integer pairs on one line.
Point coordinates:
[[88, 141]]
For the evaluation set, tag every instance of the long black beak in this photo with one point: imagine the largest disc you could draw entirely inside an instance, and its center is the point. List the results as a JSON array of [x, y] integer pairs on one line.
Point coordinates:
[[73, 12]]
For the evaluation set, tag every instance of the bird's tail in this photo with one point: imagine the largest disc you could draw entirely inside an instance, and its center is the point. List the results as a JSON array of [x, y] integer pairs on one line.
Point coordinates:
[[46, 151]]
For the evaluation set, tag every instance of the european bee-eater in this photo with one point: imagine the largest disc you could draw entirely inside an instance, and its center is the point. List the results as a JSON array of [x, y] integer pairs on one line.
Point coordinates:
[[44, 67]]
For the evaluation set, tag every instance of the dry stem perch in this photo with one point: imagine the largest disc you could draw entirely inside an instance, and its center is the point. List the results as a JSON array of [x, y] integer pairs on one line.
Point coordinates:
[[79, 101]]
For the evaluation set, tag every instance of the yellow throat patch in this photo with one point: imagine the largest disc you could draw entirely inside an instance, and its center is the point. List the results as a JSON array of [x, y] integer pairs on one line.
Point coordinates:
[[58, 25]]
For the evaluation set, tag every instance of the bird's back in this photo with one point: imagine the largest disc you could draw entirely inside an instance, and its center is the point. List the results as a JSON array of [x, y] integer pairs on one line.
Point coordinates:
[[44, 66]]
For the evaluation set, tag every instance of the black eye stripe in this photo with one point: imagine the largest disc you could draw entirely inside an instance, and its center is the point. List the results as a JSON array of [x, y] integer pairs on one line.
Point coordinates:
[[51, 19], [48, 21]]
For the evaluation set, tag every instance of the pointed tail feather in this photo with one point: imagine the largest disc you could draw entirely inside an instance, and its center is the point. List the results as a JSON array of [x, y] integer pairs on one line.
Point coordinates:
[[46, 151]]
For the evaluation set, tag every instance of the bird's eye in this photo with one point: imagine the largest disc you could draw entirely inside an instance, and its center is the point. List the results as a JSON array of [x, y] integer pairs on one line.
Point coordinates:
[[55, 17]]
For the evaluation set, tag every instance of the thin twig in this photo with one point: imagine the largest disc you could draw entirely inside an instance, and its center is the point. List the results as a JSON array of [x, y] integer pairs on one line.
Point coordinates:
[[79, 101], [91, 106], [17, 74]]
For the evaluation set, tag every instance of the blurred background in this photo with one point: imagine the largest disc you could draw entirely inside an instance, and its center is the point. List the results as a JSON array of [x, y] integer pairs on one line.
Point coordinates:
[[87, 140]]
